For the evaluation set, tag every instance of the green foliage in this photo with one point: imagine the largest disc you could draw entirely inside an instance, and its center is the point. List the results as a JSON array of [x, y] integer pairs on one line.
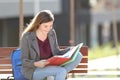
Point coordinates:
[[102, 51]]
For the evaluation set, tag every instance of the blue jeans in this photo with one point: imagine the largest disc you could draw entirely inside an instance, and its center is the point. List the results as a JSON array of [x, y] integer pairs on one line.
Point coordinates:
[[58, 72]]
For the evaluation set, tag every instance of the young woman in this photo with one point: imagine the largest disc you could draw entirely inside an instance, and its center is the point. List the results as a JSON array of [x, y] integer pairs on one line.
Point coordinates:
[[38, 43]]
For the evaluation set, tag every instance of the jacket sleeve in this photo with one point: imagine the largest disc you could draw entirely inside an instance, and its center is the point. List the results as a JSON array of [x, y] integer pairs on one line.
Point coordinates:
[[26, 61]]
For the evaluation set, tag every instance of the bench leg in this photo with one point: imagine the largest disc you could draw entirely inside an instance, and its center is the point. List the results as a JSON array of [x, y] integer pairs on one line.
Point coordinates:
[[73, 75]]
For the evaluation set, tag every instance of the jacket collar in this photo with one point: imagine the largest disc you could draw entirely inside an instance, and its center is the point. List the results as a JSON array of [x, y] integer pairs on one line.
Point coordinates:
[[35, 43]]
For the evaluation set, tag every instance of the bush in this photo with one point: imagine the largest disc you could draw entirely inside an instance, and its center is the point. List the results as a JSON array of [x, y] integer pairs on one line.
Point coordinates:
[[102, 51]]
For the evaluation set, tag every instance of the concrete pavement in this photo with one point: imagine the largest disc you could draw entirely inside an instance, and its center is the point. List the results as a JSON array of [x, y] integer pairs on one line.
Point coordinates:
[[111, 62]]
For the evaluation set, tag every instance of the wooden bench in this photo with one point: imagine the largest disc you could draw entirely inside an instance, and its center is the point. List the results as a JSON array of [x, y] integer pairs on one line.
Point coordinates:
[[6, 68]]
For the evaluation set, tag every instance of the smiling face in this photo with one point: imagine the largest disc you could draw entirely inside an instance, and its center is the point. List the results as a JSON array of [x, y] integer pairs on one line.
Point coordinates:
[[46, 27]]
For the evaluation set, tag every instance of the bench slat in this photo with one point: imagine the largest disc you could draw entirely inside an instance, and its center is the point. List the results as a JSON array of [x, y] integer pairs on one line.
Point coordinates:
[[6, 51], [5, 61], [84, 60], [82, 66], [78, 71], [5, 67], [6, 72], [84, 50]]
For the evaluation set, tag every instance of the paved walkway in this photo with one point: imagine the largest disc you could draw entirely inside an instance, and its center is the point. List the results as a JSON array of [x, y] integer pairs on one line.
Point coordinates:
[[111, 62]]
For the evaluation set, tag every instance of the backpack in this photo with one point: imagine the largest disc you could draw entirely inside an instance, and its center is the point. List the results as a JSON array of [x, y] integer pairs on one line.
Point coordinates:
[[17, 64]]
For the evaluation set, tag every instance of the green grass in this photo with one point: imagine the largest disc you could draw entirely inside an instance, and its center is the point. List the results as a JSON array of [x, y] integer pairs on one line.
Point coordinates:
[[102, 51]]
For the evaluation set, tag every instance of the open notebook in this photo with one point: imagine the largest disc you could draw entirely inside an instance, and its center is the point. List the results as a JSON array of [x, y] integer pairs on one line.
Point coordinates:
[[69, 56]]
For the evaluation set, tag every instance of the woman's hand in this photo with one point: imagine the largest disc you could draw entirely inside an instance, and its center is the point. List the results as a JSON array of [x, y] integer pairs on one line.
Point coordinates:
[[41, 63]]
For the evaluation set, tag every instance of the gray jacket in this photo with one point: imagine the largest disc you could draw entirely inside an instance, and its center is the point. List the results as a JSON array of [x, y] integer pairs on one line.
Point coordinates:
[[30, 51]]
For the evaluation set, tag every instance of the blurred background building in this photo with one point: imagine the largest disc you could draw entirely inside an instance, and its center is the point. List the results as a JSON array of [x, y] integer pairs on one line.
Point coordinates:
[[93, 20]]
